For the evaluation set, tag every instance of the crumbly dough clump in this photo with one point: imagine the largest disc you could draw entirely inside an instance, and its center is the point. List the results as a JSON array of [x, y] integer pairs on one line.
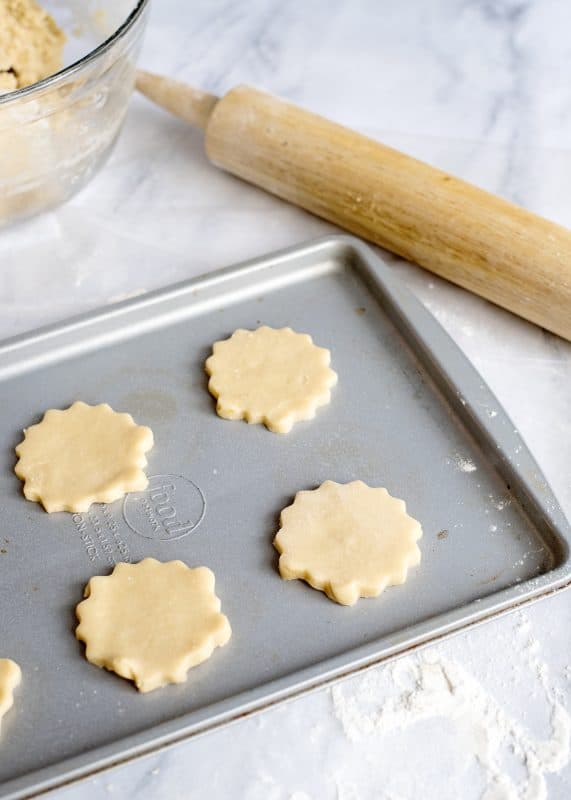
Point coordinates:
[[31, 44]]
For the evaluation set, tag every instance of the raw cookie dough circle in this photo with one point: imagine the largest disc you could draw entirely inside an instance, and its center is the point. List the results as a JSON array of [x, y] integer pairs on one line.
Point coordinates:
[[277, 377], [348, 540], [83, 455], [151, 622], [10, 677]]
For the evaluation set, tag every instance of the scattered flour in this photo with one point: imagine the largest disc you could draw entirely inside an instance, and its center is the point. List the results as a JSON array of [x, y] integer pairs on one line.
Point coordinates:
[[315, 732], [465, 465], [345, 790], [499, 502], [428, 686], [462, 463]]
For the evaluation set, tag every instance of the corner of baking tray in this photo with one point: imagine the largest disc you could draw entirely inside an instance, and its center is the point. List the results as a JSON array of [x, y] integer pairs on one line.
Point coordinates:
[[344, 244]]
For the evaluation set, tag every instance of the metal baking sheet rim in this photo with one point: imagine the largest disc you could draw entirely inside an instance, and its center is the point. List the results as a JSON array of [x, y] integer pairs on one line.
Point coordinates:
[[325, 672]]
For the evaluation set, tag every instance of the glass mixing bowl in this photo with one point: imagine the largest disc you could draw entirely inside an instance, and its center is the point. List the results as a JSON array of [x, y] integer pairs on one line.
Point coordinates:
[[55, 134]]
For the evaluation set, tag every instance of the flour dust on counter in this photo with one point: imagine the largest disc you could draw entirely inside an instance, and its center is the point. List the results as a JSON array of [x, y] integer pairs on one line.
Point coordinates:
[[420, 688]]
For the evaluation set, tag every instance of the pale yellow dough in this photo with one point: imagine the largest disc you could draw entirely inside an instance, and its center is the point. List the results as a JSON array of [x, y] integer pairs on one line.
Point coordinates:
[[348, 540], [151, 622], [83, 455], [277, 377], [31, 44], [10, 677]]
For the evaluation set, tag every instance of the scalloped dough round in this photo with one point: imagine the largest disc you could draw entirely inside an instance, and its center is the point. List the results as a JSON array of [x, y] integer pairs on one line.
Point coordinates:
[[347, 540], [151, 622], [83, 455], [274, 376], [10, 677]]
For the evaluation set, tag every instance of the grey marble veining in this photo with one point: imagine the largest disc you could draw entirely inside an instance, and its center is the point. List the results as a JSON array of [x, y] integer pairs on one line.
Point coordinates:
[[478, 88]]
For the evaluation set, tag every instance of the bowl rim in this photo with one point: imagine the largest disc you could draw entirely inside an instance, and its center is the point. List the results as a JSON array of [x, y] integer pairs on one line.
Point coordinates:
[[76, 66]]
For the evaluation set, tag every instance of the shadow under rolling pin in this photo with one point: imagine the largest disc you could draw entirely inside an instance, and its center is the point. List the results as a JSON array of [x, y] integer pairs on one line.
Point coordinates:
[[498, 250]]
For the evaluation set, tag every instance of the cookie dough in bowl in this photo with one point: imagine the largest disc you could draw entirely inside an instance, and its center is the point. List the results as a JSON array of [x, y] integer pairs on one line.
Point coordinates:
[[347, 540], [67, 70], [31, 44]]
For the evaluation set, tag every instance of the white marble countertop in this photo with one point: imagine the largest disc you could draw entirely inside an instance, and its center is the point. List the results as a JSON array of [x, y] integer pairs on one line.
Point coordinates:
[[480, 89]]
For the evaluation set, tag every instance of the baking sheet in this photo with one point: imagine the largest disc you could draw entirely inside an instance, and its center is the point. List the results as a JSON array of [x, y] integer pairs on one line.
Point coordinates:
[[409, 413]]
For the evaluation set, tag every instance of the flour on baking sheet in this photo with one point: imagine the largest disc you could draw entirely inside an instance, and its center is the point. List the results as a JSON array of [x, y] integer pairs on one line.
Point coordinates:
[[429, 686], [463, 463]]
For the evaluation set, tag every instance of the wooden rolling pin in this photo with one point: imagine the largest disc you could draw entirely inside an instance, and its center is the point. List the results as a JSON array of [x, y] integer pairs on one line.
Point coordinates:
[[494, 248]]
